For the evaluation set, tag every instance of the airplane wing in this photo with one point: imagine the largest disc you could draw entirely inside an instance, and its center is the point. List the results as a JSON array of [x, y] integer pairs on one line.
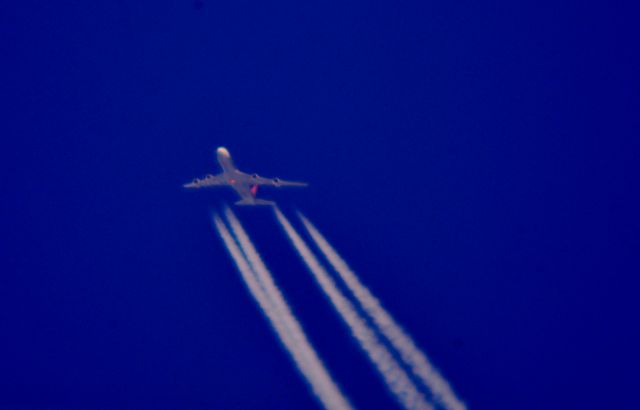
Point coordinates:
[[277, 182], [207, 181]]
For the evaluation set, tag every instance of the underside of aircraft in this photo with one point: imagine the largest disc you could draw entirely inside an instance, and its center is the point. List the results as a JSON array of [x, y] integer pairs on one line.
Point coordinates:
[[245, 185]]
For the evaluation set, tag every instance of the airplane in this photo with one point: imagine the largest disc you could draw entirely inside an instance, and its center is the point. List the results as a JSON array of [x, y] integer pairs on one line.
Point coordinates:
[[245, 185]]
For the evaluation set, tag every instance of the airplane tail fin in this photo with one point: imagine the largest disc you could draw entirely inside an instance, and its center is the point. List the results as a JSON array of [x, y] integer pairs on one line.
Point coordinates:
[[251, 202]]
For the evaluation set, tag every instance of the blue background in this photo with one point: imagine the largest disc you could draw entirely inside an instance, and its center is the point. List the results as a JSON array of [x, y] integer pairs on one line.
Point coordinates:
[[476, 163]]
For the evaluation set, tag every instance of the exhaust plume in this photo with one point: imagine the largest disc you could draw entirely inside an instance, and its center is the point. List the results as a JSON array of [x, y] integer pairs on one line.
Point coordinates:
[[392, 373], [298, 347], [399, 339]]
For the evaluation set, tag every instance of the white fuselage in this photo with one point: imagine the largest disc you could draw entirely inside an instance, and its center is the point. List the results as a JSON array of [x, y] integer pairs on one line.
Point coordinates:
[[224, 159]]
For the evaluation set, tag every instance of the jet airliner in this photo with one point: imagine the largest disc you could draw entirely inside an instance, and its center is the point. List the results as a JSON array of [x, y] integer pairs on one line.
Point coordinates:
[[245, 185]]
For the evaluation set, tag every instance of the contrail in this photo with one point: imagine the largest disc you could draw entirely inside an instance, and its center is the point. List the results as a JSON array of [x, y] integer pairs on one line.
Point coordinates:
[[394, 376], [283, 311], [399, 339], [309, 366]]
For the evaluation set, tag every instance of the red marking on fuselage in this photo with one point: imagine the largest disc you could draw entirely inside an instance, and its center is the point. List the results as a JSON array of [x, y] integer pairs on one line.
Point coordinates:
[[232, 181], [254, 190]]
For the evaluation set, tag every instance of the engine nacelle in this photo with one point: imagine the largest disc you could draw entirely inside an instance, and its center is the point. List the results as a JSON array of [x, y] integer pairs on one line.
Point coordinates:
[[254, 176], [276, 181]]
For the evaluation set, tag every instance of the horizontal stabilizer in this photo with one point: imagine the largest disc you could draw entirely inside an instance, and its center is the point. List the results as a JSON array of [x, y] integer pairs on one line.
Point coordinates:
[[250, 202]]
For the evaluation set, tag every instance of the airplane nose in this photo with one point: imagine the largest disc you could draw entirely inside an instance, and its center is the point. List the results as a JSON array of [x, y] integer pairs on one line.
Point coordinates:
[[222, 151]]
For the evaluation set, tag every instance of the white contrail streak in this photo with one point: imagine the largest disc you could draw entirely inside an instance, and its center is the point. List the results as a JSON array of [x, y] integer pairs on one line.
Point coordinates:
[[394, 376], [310, 367], [399, 339], [321, 376]]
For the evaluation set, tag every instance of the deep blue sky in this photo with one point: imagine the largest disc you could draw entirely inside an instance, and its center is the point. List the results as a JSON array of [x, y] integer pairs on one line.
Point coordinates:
[[474, 162]]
